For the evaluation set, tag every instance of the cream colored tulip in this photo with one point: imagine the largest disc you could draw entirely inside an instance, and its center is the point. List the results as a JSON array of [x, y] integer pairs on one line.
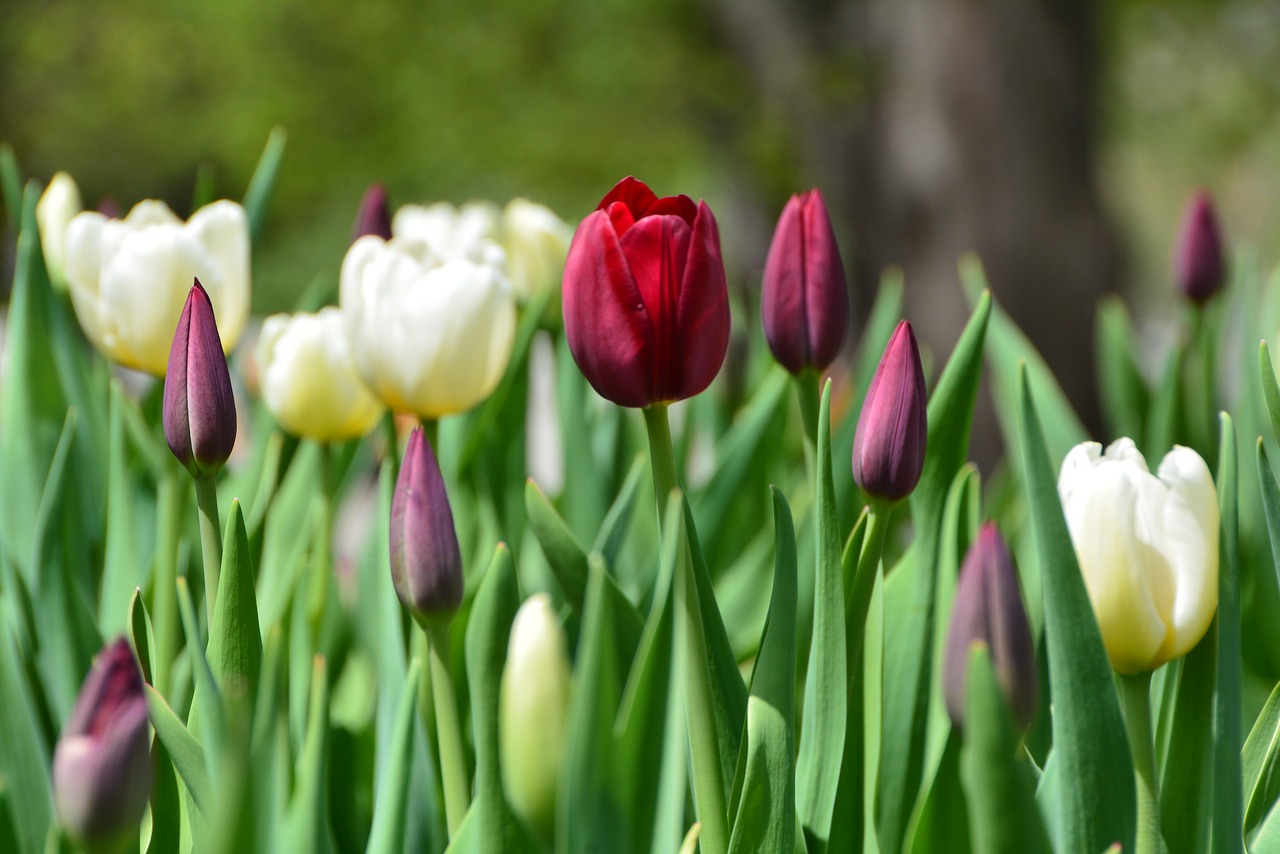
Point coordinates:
[[429, 335], [58, 205], [450, 232], [129, 278], [534, 704], [308, 381], [536, 241], [1147, 547]]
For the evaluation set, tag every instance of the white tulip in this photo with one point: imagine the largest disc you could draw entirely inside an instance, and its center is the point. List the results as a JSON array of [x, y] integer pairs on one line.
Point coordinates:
[[308, 381], [58, 205], [450, 232], [430, 335], [1147, 547], [537, 242], [129, 278], [534, 704]]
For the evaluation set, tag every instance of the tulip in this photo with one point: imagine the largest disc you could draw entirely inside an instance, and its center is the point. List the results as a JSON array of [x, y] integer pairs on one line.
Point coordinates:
[[308, 381], [1197, 259], [373, 217], [128, 277], [536, 242], [102, 764], [58, 205], [426, 563], [534, 712], [988, 610], [646, 308], [199, 408], [429, 336], [889, 445], [805, 302], [450, 232], [1147, 547]]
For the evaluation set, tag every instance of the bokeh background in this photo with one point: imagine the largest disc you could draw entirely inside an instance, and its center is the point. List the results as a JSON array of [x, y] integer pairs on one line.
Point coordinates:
[[1057, 138]]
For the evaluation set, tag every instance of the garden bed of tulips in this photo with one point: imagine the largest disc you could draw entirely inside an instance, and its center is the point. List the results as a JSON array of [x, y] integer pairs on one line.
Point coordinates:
[[494, 547]]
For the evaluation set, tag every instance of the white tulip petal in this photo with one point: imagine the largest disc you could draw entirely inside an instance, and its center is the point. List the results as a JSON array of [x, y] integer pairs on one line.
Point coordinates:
[[150, 212], [83, 270], [222, 229], [1190, 544]]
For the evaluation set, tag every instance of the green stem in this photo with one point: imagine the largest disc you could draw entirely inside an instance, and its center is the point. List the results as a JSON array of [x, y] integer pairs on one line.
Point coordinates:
[[210, 539], [322, 560], [431, 429], [1136, 692], [809, 395], [708, 776], [662, 458], [858, 595], [169, 495], [453, 766]]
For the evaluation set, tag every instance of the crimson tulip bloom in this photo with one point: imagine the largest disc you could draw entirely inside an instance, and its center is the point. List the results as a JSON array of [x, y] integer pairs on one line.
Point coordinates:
[[199, 407], [646, 308], [426, 562], [893, 428], [805, 302], [1197, 260]]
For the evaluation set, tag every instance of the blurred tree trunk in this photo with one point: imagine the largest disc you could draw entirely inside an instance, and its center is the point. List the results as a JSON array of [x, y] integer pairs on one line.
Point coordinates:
[[936, 127]]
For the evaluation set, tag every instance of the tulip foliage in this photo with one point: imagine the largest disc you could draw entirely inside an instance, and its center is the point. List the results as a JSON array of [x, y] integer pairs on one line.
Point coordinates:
[[540, 620]]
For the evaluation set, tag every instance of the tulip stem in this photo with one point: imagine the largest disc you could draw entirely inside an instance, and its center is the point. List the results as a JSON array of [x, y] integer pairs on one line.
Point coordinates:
[[322, 559], [210, 538], [169, 494], [858, 595], [1136, 691], [453, 768], [807, 392], [662, 458]]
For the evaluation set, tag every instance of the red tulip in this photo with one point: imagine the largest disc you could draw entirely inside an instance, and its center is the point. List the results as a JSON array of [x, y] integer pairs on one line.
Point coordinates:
[[646, 308], [805, 302], [199, 408], [1197, 260], [888, 447]]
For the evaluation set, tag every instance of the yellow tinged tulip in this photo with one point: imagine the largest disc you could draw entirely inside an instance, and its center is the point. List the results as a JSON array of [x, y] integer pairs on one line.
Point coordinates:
[[1147, 547], [129, 277], [58, 205], [308, 381]]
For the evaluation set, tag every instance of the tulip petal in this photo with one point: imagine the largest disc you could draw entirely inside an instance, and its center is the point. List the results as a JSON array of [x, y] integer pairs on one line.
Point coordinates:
[[656, 248], [222, 229], [1101, 517], [631, 192], [83, 271], [1189, 542], [702, 310]]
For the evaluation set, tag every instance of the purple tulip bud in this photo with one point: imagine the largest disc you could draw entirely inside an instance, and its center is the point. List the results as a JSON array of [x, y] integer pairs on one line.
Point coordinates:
[[373, 217], [199, 408], [1197, 259], [805, 302], [988, 609], [888, 448], [646, 307], [102, 764], [426, 563]]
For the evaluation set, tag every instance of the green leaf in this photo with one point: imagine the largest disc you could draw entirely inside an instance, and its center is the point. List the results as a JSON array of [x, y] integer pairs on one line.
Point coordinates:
[[166, 803], [1228, 810], [942, 821], [140, 636], [263, 182], [1095, 784], [306, 822], [613, 530], [1270, 389], [822, 735], [1121, 388], [11, 183], [183, 749], [764, 814], [235, 641], [999, 785], [122, 571], [567, 558], [24, 761], [909, 590], [1185, 778], [1261, 767], [1164, 422], [207, 719], [391, 796]]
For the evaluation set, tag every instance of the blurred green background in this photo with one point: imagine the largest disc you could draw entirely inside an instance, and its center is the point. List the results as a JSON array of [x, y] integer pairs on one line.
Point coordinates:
[[1058, 139]]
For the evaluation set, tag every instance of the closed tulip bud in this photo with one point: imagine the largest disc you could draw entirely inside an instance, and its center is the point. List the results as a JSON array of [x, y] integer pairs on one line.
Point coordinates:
[[58, 205], [102, 764], [1197, 259], [805, 302], [426, 563], [308, 381], [128, 278], [373, 217], [988, 610], [429, 335], [1147, 547], [199, 408], [646, 307], [534, 712], [536, 242], [889, 445]]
